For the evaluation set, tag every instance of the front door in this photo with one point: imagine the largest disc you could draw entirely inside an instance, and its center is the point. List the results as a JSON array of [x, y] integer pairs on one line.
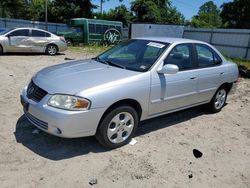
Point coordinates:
[[173, 92], [38, 40], [18, 41]]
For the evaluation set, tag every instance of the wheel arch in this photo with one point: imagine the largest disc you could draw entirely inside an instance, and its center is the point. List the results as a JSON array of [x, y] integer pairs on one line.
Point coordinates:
[[130, 102], [227, 86], [52, 43]]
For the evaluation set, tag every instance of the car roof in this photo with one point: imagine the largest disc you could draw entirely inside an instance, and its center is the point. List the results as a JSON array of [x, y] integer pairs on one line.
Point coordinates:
[[170, 40], [16, 28]]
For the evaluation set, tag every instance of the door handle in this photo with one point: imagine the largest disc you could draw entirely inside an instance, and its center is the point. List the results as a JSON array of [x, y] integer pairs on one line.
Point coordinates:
[[193, 77], [221, 73]]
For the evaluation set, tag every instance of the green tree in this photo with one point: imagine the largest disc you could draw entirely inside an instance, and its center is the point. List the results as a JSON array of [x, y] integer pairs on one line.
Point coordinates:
[[158, 11], [64, 10], [36, 10], [208, 16], [103, 1], [236, 14], [145, 11], [13, 9], [119, 13]]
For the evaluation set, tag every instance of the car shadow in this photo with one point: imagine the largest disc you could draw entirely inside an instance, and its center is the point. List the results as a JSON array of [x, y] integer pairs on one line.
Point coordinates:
[[56, 148], [52, 147], [169, 120]]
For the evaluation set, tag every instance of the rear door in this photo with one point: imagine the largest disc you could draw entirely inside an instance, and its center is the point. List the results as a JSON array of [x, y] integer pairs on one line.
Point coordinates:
[[18, 41], [38, 40], [175, 91], [210, 71]]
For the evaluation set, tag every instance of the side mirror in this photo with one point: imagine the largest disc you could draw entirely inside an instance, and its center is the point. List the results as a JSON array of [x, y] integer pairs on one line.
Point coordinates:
[[218, 62], [168, 69]]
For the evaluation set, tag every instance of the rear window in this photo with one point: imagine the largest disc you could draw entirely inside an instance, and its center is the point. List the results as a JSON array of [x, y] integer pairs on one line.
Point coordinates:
[[37, 33]]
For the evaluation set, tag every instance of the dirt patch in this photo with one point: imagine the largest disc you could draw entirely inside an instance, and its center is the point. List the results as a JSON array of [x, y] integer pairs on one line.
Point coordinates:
[[163, 156]]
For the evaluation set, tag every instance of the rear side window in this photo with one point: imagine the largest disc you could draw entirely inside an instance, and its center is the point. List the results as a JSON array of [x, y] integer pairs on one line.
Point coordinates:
[[37, 33], [182, 56], [21, 32], [206, 56]]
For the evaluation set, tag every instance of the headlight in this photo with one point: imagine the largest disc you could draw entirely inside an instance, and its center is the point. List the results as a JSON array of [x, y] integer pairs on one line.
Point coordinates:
[[69, 102]]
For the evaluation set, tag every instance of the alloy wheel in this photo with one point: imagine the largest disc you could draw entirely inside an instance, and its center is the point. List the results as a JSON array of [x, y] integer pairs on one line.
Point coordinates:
[[220, 99], [120, 127]]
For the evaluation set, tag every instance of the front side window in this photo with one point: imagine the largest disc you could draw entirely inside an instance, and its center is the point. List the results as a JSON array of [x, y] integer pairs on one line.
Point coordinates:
[[137, 55], [206, 56], [20, 32], [181, 55]]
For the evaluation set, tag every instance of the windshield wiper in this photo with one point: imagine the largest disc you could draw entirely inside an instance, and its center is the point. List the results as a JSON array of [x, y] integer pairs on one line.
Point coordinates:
[[108, 62], [116, 65], [100, 60]]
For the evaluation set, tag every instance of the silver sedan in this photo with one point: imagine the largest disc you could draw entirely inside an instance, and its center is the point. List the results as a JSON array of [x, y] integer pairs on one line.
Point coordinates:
[[109, 95], [31, 40]]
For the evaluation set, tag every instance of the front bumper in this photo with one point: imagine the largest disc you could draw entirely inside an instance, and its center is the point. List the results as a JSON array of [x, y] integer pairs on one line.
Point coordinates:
[[58, 122]]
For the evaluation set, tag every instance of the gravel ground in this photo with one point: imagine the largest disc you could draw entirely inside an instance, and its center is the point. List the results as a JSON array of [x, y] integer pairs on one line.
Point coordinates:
[[162, 157]]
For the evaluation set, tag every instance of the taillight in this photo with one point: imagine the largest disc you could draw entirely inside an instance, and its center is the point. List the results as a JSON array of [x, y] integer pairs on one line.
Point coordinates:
[[62, 39]]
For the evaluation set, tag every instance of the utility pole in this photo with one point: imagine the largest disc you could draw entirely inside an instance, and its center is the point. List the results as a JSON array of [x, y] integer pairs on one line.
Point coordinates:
[[102, 1], [46, 15]]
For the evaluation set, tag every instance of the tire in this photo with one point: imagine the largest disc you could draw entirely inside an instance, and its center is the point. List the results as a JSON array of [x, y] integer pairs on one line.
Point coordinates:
[[1, 50], [218, 101], [117, 127], [51, 49], [69, 42]]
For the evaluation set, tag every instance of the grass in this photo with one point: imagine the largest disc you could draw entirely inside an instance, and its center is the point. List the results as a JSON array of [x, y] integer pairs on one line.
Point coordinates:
[[91, 49], [245, 63]]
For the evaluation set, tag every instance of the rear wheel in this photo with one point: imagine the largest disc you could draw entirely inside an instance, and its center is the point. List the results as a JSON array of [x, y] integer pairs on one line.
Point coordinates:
[[219, 100], [51, 49], [117, 127], [69, 42]]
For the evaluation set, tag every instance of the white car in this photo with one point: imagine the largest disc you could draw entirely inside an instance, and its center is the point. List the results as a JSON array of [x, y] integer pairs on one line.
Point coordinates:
[[109, 95], [31, 40]]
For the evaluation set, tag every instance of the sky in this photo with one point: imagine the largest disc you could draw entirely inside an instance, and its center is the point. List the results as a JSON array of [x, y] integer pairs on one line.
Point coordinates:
[[188, 8]]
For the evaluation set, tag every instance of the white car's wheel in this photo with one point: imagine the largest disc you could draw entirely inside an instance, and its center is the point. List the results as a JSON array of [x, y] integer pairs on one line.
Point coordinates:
[[51, 49], [219, 100], [117, 127]]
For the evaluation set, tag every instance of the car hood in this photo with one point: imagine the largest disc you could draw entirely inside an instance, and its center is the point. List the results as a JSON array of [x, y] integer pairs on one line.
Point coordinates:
[[76, 76]]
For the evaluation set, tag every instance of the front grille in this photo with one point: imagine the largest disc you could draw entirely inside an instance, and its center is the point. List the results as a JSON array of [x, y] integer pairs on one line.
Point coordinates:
[[39, 123], [35, 93]]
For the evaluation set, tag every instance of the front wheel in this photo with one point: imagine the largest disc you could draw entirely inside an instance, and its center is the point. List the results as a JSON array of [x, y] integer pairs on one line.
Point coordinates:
[[117, 127], [51, 49], [218, 101]]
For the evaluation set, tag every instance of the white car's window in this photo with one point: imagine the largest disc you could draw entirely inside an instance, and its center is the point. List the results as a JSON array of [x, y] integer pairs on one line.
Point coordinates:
[[206, 56], [37, 33], [181, 55], [20, 32], [137, 55]]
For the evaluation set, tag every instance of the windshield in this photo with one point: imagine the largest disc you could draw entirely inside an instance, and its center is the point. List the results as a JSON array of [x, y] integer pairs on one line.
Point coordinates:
[[137, 55], [5, 31]]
